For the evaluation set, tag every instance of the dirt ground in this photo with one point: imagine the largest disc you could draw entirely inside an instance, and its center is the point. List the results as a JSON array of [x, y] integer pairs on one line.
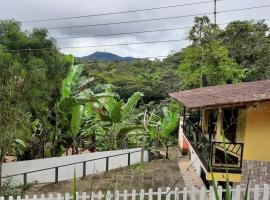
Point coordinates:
[[154, 174]]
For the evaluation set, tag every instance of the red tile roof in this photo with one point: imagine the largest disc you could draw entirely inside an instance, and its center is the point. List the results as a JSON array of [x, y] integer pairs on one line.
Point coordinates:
[[231, 94]]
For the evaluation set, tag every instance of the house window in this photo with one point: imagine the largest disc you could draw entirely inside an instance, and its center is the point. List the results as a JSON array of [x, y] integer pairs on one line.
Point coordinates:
[[230, 123]]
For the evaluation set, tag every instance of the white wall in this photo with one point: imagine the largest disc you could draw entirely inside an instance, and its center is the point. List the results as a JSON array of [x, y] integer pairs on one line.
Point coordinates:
[[66, 172]]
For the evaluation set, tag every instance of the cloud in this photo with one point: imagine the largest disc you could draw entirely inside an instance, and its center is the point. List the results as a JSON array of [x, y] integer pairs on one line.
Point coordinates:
[[32, 9]]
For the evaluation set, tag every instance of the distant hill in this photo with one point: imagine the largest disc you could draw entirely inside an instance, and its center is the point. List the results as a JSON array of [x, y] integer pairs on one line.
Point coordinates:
[[105, 56]]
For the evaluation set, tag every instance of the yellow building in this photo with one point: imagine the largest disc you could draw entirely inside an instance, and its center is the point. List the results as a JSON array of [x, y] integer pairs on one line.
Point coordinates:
[[226, 129]]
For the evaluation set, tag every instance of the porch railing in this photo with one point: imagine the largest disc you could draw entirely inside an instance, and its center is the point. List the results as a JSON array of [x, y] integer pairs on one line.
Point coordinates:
[[221, 156]]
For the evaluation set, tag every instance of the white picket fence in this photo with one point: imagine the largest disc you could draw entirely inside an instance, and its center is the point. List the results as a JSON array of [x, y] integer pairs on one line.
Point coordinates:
[[256, 193]]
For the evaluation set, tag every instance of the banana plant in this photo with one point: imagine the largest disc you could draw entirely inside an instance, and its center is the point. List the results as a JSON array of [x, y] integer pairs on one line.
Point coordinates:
[[160, 128], [77, 102], [115, 118]]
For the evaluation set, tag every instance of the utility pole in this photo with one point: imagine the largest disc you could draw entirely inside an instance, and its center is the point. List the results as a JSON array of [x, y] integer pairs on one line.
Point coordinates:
[[215, 12]]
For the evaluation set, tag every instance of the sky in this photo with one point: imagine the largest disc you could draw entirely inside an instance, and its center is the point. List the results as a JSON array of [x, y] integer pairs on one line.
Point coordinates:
[[25, 10]]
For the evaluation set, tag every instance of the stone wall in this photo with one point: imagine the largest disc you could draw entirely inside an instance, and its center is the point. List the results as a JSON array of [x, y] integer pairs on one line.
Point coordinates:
[[259, 172]]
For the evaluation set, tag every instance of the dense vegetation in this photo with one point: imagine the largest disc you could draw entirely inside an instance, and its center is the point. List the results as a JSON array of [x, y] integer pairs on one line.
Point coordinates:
[[49, 106]]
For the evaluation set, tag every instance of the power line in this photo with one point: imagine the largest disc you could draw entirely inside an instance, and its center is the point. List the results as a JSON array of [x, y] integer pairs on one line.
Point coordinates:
[[138, 32], [121, 44], [94, 46], [128, 22], [157, 19], [120, 12], [124, 33]]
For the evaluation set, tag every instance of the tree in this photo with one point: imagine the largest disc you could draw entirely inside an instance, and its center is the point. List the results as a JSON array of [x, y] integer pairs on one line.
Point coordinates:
[[34, 77], [206, 62], [248, 43], [10, 104]]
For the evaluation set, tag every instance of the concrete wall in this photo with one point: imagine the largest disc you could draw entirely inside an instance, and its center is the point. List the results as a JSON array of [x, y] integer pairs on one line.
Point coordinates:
[[66, 173], [257, 133]]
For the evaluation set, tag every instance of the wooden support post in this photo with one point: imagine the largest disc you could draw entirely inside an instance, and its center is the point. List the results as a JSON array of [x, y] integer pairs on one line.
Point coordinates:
[[128, 158], [25, 178], [107, 164], [56, 174], [84, 169]]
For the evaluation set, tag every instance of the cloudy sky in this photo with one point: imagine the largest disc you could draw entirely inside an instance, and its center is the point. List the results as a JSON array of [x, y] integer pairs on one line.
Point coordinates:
[[25, 10]]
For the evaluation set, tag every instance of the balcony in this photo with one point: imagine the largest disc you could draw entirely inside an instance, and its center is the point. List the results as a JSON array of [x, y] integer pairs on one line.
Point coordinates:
[[222, 157]]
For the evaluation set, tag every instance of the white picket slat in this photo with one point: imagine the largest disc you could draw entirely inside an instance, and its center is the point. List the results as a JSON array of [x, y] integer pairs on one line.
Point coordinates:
[[202, 193], [159, 194], [108, 195], [99, 195], [83, 196], [92, 195], [185, 193], [67, 196], [193, 193], [10, 198], [220, 191], [256, 192], [176, 193], [212, 193], [238, 192], [150, 194], [142, 194], [133, 197], [168, 193], [116, 195], [266, 192], [125, 195]]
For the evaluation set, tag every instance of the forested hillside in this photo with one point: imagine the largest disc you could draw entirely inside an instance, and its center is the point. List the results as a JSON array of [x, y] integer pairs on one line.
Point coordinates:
[[49, 106]]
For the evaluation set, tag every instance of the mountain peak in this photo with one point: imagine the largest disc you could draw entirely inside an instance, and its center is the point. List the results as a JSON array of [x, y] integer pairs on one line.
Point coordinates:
[[106, 56]]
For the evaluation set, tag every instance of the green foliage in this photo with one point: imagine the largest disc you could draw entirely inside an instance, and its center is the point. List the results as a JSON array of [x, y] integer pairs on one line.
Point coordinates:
[[162, 128], [206, 62]]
